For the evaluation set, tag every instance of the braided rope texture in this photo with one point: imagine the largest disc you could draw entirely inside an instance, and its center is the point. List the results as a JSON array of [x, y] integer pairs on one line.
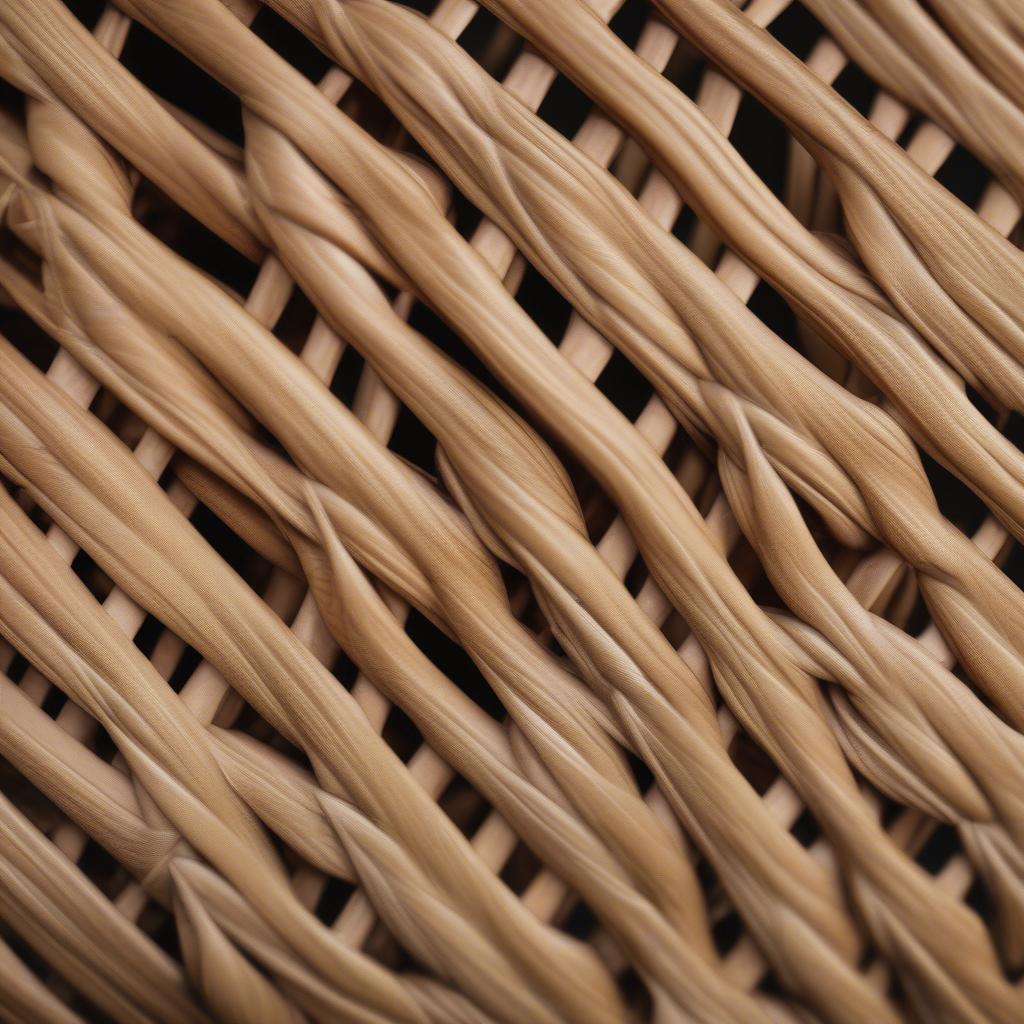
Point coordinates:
[[511, 511]]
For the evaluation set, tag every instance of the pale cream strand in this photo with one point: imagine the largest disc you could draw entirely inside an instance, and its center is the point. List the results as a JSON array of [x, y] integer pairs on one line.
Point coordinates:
[[61, 914], [992, 32], [815, 760], [555, 204], [906, 51], [826, 288], [271, 669], [680, 772], [536, 200], [163, 376], [51, 161]]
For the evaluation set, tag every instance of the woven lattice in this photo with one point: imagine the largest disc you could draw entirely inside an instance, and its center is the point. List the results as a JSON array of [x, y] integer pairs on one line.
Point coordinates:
[[511, 512]]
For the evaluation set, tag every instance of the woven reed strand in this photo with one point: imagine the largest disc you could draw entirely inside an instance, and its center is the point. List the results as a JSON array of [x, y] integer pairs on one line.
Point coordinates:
[[736, 578]]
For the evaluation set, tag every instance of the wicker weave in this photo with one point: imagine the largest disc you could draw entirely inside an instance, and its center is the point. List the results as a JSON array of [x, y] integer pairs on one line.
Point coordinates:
[[564, 500]]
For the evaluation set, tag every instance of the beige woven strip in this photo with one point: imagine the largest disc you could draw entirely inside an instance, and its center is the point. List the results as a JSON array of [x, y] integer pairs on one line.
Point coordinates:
[[835, 689]]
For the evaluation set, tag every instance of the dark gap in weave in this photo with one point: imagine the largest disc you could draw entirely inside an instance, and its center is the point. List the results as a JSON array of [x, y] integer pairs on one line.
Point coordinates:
[[1014, 428], [230, 547], [979, 898], [159, 924], [684, 224], [642, 775], [797, 29], [17, 668], [580, 921], [979, 403], [250, 722], [598, 511], [103, 406], [631, 165], [103, 745], [477, 35], [1014, 564], [964, 175], [464, 805], [774, 312], [747, 567], [957, 502], [383, 947], [913, 126], [189, 661], [491, 43], [521, 868], [25, 953], [543, 304], [453, 660], [894, 606], [192, 241], [12, 99], [31, 802], [565, 107], [636, 575], [710, 885], [296, 321], [629, 21], [103, 870], [856, 87], [770, 986], [40, 519], [401, 733], [346, 376], [1016, 235], [635, 994], [290, 43], [54, 701], [763, 142], [86, 11], [169, 74], [344, 669], [941, 845], [686, 67], [52, 979], [148, 634], [332, 900], [625, 386], [98, 582], [726, 932], [675, 629], [805, 829], [122, 421], [754, 764], [372, 114], [412, 441], [29, 339], [425, 7]]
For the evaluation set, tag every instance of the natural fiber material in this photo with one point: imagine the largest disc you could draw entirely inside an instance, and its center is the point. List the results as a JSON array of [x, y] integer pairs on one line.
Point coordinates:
[[568, 538]]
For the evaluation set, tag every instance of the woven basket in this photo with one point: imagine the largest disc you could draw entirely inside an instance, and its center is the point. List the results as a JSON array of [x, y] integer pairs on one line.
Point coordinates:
[[511, 512]]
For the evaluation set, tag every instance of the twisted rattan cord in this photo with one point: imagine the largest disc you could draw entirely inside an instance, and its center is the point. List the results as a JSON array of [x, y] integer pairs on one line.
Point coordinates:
[[754, 855], [552, 714], [842, 814], [250, 663], [539, 219], [824, 287]]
